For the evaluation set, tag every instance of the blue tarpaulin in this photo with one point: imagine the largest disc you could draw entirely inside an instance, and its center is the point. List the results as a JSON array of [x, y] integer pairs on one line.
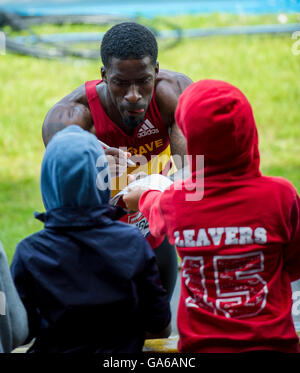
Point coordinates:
[[132, 8]]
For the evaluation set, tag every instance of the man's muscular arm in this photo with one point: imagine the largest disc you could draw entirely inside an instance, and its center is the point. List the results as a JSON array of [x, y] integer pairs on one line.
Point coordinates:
[[72, 109], [169, 88], [62, 115], [49, 129], [177, 140]]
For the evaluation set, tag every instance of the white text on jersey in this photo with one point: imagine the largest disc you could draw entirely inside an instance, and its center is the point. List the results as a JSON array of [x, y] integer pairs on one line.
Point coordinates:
[[213, 236]]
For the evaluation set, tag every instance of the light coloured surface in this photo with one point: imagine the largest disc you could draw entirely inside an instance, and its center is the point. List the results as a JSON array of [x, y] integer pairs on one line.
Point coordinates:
[[164, 345], [22, 349], [154, 181]]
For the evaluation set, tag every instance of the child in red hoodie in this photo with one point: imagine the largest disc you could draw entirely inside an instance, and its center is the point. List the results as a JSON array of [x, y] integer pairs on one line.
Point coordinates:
[[240, 243]]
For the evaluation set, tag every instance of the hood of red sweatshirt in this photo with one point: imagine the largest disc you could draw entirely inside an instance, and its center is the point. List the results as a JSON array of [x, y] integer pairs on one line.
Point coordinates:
[[217, 121]]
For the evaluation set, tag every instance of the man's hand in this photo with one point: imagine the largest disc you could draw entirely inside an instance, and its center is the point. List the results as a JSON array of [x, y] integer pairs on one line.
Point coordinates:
[[117, 161], [132, 198]]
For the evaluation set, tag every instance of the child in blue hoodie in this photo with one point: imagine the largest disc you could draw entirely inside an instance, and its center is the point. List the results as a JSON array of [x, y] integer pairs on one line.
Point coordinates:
[[89, 282]]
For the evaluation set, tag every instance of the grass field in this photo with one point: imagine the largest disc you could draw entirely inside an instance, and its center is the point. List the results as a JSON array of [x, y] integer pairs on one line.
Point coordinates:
[[262, 66]]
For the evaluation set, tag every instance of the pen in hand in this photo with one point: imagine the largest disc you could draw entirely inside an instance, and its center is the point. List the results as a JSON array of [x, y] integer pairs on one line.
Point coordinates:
[[105, 146]]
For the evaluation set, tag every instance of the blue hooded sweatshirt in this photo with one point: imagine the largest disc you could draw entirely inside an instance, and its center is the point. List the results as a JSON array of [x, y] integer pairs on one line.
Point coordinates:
[[89, 283]]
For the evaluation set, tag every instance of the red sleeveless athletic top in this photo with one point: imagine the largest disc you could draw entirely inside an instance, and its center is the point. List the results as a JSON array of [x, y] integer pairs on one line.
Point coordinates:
[[150, 139]]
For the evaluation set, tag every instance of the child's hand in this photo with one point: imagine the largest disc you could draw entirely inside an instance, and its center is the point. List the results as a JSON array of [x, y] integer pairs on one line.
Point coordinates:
[[131, 199]]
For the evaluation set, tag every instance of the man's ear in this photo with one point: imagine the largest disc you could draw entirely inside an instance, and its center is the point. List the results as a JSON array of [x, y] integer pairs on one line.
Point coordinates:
[[103, 74], [156, 69]]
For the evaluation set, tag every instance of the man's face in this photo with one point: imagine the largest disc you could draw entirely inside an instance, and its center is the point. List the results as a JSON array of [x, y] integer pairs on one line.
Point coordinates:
[[130, 84]]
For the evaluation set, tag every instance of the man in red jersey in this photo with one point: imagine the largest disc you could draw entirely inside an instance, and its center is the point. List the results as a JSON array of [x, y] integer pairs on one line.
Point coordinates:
[[132, 107]]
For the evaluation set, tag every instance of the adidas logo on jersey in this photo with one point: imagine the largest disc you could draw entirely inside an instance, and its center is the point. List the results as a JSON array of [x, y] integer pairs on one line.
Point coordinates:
[[146, 129]]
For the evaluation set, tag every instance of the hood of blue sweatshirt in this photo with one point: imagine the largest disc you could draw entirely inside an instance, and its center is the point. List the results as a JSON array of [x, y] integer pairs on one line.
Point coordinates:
[[74, 172]]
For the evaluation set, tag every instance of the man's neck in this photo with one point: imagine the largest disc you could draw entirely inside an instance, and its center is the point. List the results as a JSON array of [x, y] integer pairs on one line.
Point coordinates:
[[110, 109]]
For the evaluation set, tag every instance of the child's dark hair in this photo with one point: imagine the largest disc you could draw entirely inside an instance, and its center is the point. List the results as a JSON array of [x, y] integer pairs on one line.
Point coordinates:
[[128, 40]]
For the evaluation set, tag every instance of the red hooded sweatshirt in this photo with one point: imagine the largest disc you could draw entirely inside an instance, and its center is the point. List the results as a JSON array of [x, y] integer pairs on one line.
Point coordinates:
[[240, 243]]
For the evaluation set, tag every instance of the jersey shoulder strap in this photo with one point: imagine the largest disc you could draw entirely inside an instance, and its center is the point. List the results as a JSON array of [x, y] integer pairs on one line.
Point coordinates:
[[96, 108]]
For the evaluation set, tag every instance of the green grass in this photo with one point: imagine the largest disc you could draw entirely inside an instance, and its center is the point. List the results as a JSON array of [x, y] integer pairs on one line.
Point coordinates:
[[262, 66]]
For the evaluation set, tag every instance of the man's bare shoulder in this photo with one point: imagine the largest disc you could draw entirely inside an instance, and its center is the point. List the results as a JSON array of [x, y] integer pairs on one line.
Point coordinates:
[[169, 86], [76, 99], [78, 95], [172, 78], [71, 109]]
